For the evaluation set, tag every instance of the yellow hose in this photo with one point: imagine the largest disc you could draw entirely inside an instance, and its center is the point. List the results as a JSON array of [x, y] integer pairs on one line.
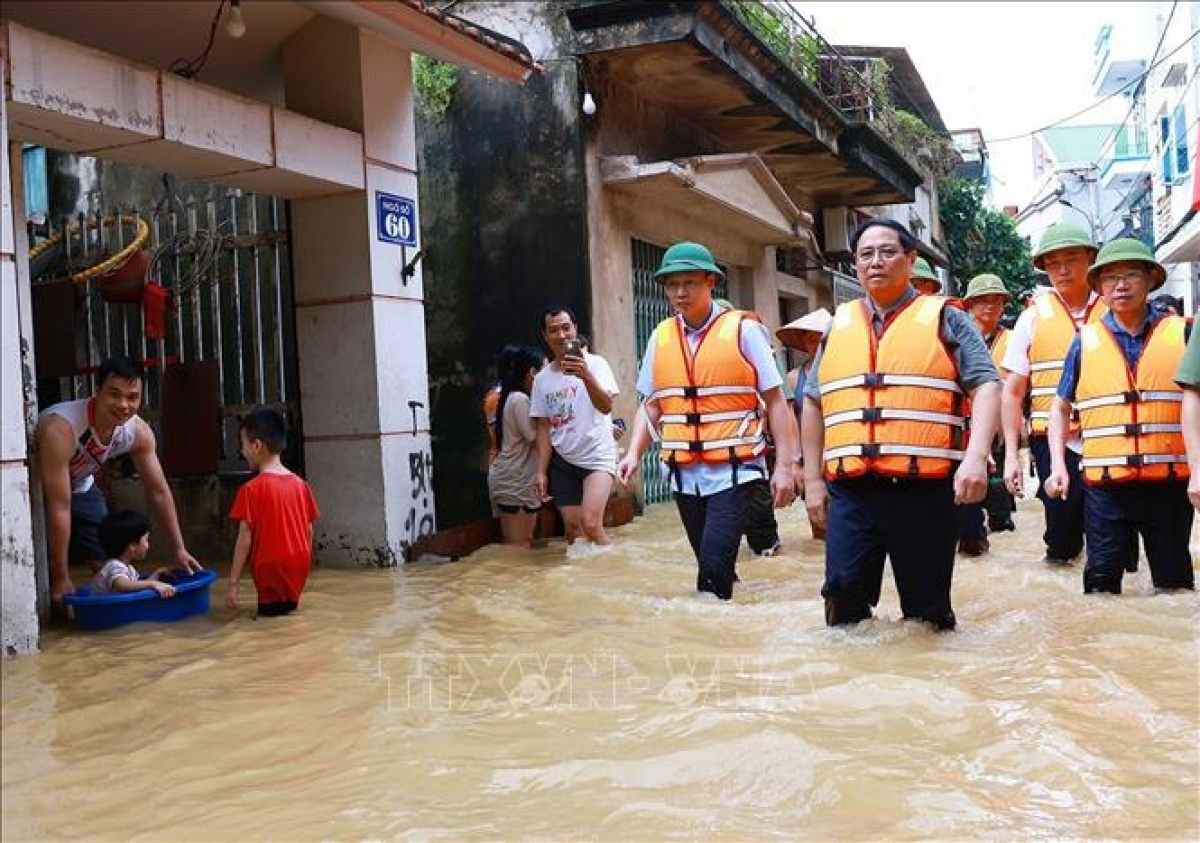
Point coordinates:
[[108, 265]]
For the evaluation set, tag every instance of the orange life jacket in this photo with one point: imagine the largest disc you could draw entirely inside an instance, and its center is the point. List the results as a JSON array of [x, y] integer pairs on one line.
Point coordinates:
[[1131, 419], [711, 410], [1054, 331], [999, 345], [892, 404]]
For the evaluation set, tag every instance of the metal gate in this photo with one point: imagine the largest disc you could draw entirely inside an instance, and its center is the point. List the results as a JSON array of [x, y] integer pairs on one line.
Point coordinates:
[[224, 260], [650, 306]]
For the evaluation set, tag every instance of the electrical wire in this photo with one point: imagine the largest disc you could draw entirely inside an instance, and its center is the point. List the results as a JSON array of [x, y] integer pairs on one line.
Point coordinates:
[[1116, 132], [1137, 184], [1117, 208], [1137, 80], [189, 69]]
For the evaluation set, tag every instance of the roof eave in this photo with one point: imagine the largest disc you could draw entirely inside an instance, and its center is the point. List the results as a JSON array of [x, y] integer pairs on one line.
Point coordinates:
[[423, 29]]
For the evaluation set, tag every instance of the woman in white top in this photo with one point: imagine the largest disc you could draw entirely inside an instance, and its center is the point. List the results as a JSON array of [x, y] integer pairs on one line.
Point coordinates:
[[510, 478]]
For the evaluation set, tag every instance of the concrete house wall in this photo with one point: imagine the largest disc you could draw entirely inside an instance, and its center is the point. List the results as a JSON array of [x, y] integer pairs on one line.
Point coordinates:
[[539, 219], [322, 115]]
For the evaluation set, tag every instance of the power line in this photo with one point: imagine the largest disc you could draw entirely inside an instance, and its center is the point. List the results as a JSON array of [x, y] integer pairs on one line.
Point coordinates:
[[1137, 80], [1191, 163], [1187, 134], [1116, 132]]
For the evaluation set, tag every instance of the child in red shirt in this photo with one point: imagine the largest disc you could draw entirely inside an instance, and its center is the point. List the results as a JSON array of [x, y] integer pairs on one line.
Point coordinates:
[[276, 510]]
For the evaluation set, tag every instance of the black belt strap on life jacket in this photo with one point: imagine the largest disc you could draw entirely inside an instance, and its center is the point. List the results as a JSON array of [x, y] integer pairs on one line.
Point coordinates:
[[676, 474]]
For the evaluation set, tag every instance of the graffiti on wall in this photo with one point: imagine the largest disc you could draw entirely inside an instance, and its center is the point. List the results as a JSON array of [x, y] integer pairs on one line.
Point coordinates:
[[414, 406], [419, 523]]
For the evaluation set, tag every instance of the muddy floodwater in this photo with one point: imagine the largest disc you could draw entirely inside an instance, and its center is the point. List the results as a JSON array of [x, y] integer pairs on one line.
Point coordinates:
[[532, 695]]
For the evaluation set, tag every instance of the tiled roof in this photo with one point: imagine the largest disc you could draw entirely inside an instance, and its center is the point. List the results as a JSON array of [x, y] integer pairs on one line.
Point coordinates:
[[494, 41]]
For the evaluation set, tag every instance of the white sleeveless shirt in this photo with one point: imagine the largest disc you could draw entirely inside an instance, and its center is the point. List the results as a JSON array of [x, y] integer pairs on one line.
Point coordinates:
[[90, 453]]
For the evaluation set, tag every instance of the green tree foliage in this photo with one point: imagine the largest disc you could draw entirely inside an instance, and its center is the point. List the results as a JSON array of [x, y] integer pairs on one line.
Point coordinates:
[[799, 50], [931, 150], [433, 82], [980, 239]]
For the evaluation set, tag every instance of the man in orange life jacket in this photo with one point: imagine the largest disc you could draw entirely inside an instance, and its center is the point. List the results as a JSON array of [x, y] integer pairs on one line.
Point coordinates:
[[1120, 376], [883, 429], [1188, 378], [707, 376], [1033, 364], [985, 299]]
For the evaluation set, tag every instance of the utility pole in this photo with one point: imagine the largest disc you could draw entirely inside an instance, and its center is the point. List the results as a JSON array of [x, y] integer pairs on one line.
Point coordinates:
[[1094, 177], [1089, 175]]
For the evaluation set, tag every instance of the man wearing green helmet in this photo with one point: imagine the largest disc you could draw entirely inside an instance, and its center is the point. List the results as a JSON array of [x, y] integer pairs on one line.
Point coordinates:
[[1188, 378], [985, 299], [710, 383], [925, 279], [1119, 377], [1033, 363]]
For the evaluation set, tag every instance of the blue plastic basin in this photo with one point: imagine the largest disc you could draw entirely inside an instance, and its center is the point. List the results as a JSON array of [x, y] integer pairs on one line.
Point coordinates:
[[104, 611]]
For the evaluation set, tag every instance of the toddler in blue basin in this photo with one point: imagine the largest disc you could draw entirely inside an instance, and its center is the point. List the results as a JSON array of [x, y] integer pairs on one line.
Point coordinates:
[[125, 537]]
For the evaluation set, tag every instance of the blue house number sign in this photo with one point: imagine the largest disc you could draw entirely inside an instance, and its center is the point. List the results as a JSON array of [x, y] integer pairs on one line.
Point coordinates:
[[396, 219]]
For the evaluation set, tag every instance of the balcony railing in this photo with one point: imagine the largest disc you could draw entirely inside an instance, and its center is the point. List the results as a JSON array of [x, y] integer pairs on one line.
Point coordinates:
[[1132, 143], [859, 87], [850, 86]]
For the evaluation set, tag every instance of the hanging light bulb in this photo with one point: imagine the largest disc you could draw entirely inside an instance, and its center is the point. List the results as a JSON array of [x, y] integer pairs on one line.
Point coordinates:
[[589, 104], [236, 25]]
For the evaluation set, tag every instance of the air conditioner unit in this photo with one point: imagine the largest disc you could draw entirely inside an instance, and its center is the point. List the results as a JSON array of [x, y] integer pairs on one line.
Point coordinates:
[[839, 225]]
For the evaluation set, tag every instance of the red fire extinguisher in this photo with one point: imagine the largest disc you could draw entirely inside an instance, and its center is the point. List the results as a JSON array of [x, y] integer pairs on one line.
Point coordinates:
[[155, 301]]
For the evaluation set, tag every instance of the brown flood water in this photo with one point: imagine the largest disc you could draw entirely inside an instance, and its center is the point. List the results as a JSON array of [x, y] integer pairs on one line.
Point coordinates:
[[527, 695]]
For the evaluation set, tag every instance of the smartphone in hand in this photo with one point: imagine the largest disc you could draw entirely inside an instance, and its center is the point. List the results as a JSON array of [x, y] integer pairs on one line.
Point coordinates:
[[574, 348]]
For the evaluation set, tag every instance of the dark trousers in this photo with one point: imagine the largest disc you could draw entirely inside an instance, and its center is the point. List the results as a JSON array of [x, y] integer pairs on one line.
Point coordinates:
[[1116, 514], [998, 504], [714, 525], [910, 522], [1064, 518], [969, 518], [762, 530], [88, 509]]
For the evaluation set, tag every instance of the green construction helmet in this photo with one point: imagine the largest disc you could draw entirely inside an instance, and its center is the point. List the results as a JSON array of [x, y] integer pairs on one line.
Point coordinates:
[[1128, 249], [922, 269], [986, 285], [1062, 235], [687, 257]]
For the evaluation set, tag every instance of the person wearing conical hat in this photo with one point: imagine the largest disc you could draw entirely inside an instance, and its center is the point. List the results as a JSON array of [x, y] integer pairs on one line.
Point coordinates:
[[1033, 362], [925, 279], [1119, 377], [710, 384], [985, 299], [804, 335]]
